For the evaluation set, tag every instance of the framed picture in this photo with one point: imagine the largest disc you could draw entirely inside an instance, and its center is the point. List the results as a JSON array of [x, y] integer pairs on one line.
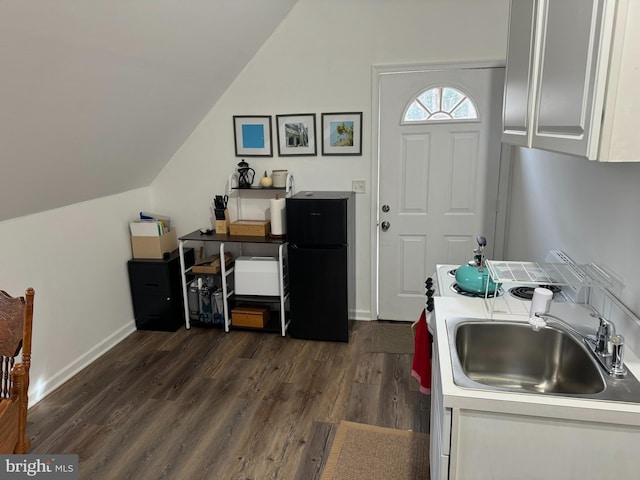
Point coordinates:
[[252, 136], [342, 133], [296, 135]]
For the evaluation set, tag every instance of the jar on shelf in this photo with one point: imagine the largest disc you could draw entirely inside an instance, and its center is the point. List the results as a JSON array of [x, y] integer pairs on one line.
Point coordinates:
[[279, 178]]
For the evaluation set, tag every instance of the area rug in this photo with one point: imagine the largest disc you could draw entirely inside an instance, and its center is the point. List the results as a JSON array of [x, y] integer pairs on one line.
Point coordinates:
[[392, 337], [367, 452]]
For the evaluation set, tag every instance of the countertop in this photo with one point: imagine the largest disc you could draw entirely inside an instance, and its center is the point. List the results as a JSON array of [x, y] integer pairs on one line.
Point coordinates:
[[540, 405]]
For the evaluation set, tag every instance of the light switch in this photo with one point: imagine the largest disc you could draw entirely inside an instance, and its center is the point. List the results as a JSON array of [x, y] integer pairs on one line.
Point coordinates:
[[359, 186]]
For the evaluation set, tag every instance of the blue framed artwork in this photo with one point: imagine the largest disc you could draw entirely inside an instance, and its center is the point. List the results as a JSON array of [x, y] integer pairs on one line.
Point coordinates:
[[342, 133], [252, 136]]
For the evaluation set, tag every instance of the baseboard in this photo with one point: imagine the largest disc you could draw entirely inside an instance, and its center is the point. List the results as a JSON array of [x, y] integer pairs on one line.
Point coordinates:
[[39, 389], [361, 315]]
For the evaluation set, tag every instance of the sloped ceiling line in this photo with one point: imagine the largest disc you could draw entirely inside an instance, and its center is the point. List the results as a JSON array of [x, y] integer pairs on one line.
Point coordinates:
[[97, 96]]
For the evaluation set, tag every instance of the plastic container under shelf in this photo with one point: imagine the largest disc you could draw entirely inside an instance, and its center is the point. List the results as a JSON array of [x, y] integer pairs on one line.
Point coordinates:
[[257, 276], [205, 302]]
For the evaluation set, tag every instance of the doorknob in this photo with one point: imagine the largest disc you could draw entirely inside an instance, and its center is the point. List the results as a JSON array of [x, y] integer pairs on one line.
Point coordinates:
[[385, 226], [385, 208]]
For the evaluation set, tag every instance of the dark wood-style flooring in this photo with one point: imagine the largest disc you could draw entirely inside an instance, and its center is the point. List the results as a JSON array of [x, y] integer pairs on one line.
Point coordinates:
[[201, 404]]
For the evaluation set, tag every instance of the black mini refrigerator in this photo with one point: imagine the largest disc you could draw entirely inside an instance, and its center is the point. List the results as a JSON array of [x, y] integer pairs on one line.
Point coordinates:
[[321, 236]]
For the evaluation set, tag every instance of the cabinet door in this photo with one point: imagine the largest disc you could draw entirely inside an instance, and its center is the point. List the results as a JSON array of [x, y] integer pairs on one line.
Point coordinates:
[[620, 141], [440, 446], [149, 278], [497, 446], [160, 313], [319, 293], [520, 77], [566, 109]]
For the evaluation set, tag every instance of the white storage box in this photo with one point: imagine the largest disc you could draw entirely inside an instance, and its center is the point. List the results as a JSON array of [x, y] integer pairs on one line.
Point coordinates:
[[257, 276]]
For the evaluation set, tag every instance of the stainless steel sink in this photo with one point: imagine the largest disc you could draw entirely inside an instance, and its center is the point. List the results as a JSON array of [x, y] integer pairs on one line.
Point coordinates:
[[511, 356]]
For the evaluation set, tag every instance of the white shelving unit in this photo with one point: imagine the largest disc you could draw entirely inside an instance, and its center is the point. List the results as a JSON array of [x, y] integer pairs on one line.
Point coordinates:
[[234, 191], [225, 273], [232, 185], [239, 240]]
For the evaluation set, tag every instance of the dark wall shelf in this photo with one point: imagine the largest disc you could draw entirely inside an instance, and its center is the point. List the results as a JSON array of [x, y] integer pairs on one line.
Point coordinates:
[[215, 237], [258, 188]]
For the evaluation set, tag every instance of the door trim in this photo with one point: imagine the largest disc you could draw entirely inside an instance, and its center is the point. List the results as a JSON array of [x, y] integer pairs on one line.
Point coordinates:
[[378, 71]]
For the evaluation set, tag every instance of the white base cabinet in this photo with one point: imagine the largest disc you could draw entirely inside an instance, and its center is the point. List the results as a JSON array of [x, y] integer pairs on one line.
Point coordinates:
[[571, 76], [440, 423], [498, 446]]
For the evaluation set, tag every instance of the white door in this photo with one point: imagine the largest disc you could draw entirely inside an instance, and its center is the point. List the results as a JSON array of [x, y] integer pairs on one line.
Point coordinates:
[[438, 177]]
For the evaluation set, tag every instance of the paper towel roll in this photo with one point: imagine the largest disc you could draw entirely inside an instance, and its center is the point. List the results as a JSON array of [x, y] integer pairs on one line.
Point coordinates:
[[278, 219], [541, 301]]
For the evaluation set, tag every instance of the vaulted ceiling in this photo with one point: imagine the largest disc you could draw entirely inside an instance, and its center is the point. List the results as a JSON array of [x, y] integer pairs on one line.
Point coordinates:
[[96, 96]]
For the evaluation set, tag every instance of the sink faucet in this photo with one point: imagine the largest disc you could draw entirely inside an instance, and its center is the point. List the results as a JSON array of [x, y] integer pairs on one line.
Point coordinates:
[[605, 345]]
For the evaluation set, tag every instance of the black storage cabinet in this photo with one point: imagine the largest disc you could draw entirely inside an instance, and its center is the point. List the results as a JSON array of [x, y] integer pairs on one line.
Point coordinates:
[[156, 291]]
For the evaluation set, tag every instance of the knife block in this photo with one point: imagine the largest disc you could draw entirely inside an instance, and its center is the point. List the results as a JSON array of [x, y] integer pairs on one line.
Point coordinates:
[[222, 226]]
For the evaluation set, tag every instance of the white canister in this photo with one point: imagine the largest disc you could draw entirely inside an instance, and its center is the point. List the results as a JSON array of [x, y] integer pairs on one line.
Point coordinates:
[[279, 178]]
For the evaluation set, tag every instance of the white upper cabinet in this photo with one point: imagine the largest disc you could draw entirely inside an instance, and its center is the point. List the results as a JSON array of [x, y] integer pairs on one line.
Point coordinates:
[[566, 110], [520, 77], [572, 67]]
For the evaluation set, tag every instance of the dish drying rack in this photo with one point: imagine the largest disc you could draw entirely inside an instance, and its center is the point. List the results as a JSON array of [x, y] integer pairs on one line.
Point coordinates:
[[579, 280], [584, 284], [561, 274]]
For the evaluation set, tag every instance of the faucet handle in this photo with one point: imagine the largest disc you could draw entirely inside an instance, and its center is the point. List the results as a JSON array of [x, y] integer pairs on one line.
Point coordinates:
[[617, 355], [605, 332], [604, 323], [606, 326], [598, 316]]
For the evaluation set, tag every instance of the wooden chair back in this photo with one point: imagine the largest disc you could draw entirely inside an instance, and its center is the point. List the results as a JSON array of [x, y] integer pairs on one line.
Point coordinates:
[[16, 322]]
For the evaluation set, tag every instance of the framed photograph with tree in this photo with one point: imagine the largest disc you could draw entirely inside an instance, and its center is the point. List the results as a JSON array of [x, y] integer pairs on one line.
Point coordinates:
[[252, 136], [296, 135], [342, 133]]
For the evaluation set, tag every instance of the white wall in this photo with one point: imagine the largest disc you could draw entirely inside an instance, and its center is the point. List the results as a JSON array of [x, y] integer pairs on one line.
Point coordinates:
[[320, 60], [588, 209], [76, 260]]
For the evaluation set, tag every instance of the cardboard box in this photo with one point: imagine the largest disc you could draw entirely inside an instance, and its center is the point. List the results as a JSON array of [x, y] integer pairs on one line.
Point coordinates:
[[256, 317], [154, 247], [250, 228], [211, 265], [257, 276]]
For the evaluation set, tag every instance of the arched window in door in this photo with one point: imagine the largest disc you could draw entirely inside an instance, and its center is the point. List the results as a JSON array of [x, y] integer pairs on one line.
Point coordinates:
[[438, 104]]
